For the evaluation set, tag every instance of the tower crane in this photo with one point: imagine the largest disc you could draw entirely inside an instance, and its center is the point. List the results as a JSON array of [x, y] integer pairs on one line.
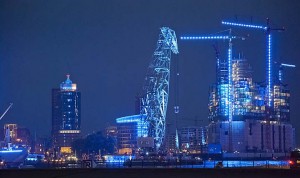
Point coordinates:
[[155, 96], [7, 134], [8, 108], [280, 70], [217, 51], [269, 71], [228, 89], [280, 109], [176, 106], [268, 30]]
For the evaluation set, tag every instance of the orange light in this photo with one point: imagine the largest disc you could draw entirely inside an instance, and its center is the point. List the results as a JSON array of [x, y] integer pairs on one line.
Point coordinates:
[[291, 162]]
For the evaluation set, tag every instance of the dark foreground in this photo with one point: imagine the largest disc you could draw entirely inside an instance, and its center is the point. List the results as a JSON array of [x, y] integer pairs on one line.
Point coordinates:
[[150, 173]]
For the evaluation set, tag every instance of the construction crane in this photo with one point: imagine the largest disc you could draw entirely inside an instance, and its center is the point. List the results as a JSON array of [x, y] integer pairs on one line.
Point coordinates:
[[280, 108], [267, 29], [155, 96], [176, 106], [228, 100], [269, 71], [217, 51], [280, 70], [8, 108]]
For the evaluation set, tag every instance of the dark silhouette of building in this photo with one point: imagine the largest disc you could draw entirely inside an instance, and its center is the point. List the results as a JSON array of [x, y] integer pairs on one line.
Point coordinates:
[[66, 115]]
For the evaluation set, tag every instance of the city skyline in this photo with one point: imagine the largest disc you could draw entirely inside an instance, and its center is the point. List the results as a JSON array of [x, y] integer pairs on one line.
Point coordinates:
[[107, 46]]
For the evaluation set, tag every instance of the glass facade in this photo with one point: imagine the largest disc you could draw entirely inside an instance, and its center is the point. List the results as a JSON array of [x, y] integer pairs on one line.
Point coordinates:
[[129, 129], [249, 98], [281, 103], [255, 126]]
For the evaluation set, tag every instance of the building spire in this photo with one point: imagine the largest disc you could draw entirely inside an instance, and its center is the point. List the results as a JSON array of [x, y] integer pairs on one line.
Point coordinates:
[[68, 81], [68, 85]]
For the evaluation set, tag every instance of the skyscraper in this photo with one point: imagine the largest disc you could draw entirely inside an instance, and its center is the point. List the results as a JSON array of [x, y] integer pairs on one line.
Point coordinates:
[[66, 115]]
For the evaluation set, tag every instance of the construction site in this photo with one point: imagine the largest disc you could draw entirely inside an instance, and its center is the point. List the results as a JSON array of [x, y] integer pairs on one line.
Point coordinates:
[[244, 116]]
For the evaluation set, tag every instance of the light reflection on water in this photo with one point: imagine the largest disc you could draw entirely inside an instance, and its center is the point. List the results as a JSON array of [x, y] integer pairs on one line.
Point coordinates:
[[212, 164], [233, 164]]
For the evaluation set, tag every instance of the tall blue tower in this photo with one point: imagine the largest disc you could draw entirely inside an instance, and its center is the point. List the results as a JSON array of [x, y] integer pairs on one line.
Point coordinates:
[[66, 115]]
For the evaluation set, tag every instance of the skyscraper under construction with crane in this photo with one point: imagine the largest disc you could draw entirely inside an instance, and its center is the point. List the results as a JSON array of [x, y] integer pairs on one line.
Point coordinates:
[[254, 128], [246, 116]]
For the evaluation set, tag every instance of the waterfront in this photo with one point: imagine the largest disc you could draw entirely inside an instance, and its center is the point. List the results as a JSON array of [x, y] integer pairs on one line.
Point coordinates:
[[150, 173], [208, 164]]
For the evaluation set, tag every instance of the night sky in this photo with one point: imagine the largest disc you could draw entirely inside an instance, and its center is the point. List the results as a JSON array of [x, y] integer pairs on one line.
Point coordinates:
[[106, 47]]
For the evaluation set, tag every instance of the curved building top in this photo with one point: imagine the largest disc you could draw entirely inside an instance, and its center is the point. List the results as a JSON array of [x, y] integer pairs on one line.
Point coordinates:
[[68, 85], [131, 119]]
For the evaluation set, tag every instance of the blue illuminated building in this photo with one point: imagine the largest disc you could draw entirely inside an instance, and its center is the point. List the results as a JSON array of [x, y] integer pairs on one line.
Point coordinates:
[[269, 61], [246, 116], [242, 87], [249, 130], [129, 129], [218, 97], [248, 98], [66, 115], [281, 103]]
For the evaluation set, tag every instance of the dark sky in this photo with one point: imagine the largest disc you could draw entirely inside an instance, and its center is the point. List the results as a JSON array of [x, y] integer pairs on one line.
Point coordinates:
[[106, 46]]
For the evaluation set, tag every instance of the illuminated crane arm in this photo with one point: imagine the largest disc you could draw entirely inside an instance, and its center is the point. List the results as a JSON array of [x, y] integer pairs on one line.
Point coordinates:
[[10, 105]]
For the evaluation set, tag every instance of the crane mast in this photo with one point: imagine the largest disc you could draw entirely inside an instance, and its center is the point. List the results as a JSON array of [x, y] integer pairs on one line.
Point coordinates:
[[155, 96], [280, 71], [269, 61], [269, 70], [227, 90]]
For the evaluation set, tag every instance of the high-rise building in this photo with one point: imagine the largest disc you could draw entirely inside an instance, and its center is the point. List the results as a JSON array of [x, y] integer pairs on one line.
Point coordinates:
[[171, 142], [112, 132], [193, 139], [66, 115], [130, 128], [281, 103], [242, 83]]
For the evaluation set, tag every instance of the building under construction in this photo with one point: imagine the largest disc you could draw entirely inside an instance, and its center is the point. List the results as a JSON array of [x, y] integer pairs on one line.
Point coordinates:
[[254, 127]]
